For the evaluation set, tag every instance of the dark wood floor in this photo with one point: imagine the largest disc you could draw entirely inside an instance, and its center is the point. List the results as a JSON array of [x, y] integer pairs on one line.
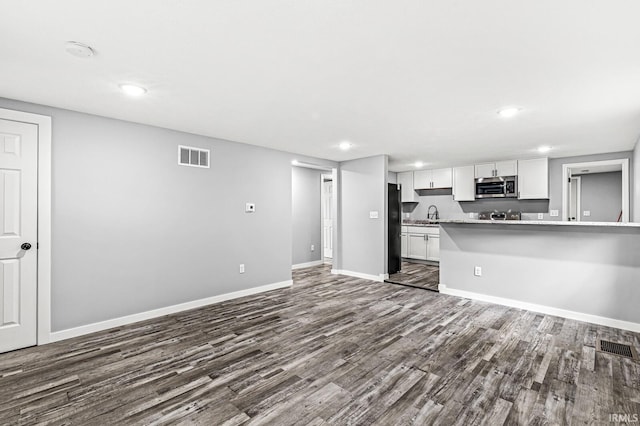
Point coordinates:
[[418, 275], [331, 350]]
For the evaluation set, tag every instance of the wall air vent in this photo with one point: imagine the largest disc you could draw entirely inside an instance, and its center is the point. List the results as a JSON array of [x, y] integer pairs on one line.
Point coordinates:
[[193, 157]]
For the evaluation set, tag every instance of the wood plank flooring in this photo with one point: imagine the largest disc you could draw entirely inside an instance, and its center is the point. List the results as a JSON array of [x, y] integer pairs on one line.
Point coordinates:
[[330, 350], [418, 275]]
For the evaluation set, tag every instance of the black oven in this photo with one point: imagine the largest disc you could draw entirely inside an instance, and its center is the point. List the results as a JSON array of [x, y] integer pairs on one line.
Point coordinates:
[[497, 187]]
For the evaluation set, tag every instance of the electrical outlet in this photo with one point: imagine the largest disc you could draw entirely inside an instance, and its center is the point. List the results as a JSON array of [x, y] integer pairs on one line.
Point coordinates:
[[540, 215], [313, 248], [242, 268], [586, 213], [471, 215], [553, 213], [477, 271], [250, 208]]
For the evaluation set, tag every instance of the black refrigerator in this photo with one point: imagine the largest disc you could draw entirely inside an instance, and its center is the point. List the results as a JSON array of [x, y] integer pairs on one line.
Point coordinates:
[[394, 227]]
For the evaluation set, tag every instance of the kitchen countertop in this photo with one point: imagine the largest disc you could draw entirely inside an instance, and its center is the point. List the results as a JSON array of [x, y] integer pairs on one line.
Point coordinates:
[[422, 224], [542, 222]]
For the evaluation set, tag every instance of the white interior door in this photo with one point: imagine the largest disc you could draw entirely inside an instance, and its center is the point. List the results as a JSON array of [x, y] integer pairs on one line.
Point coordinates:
[[18, 230], [327, 218]]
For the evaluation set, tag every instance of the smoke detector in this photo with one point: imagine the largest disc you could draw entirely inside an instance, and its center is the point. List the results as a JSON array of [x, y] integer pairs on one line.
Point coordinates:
[[79, 50]]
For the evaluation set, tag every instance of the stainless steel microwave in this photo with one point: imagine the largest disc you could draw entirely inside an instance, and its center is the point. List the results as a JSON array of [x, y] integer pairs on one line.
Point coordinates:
[[497, 187]]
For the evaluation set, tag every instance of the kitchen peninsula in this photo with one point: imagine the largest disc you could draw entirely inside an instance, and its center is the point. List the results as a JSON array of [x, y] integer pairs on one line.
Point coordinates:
[[588, 271]]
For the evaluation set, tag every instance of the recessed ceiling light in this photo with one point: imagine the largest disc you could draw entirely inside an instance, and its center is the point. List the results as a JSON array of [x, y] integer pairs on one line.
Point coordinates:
[[79, 50], [345, 145], [508, 112], [133, 90], [418, 164], [544, 148]]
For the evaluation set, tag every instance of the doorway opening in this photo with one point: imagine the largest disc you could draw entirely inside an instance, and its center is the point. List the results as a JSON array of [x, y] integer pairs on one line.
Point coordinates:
[[314, 212], [596, 191]]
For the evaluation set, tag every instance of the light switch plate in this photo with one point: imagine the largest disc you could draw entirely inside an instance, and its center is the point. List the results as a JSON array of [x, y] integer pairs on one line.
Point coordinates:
[[250, 208], [553, 213], [373, 214]]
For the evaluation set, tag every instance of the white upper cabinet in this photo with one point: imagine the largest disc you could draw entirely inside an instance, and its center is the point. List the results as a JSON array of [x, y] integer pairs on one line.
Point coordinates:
[[407, 192], [441, 178], [485, 170], [464, 188], [422, 179], [432, 179], [506, 168], [533, 179], [499, 168]]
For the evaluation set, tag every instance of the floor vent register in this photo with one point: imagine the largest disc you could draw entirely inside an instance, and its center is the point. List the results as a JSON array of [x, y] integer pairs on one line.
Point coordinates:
[[619, 349]]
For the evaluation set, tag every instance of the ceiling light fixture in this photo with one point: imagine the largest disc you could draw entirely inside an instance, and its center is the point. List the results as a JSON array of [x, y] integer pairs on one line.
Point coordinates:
[[418, 164], [544, 148], [133, 90], [345, 146], [509, 112], [79, 50]]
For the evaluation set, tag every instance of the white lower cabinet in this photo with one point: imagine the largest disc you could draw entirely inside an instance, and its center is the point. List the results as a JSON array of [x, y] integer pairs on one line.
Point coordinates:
[[404, 244], [420, 243], [433, 248], [417, 246]]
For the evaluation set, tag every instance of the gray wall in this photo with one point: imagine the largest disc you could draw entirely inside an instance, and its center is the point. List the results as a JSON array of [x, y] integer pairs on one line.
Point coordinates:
[[601, 194], [593, 270], [555, 176], [133, 231], [635, 188], [362, 240], [306, 214]]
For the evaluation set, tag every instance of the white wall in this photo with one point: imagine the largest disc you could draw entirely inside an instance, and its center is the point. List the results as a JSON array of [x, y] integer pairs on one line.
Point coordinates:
[[363, 241], [132, 231], [306, 215]]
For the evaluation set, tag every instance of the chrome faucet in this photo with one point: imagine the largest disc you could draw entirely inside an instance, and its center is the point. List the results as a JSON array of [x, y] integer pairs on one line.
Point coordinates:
[[433, 215]]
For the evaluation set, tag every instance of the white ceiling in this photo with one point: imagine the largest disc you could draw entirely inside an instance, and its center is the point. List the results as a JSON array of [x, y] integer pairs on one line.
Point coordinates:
[[418, 80]]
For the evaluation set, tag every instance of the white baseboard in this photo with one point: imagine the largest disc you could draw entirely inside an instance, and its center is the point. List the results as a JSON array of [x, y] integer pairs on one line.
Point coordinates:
[[549, 310], [307, 264], [379, 278], [129, 319]]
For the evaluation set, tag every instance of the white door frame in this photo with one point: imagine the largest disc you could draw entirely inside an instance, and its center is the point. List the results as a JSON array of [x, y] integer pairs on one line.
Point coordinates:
[[325, 177], [43, 245], [578, 180], [624, 162]]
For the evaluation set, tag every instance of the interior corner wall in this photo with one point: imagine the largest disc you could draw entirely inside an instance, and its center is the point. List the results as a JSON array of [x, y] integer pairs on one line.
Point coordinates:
[[132, 231], [306, 214], [362, 191]]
